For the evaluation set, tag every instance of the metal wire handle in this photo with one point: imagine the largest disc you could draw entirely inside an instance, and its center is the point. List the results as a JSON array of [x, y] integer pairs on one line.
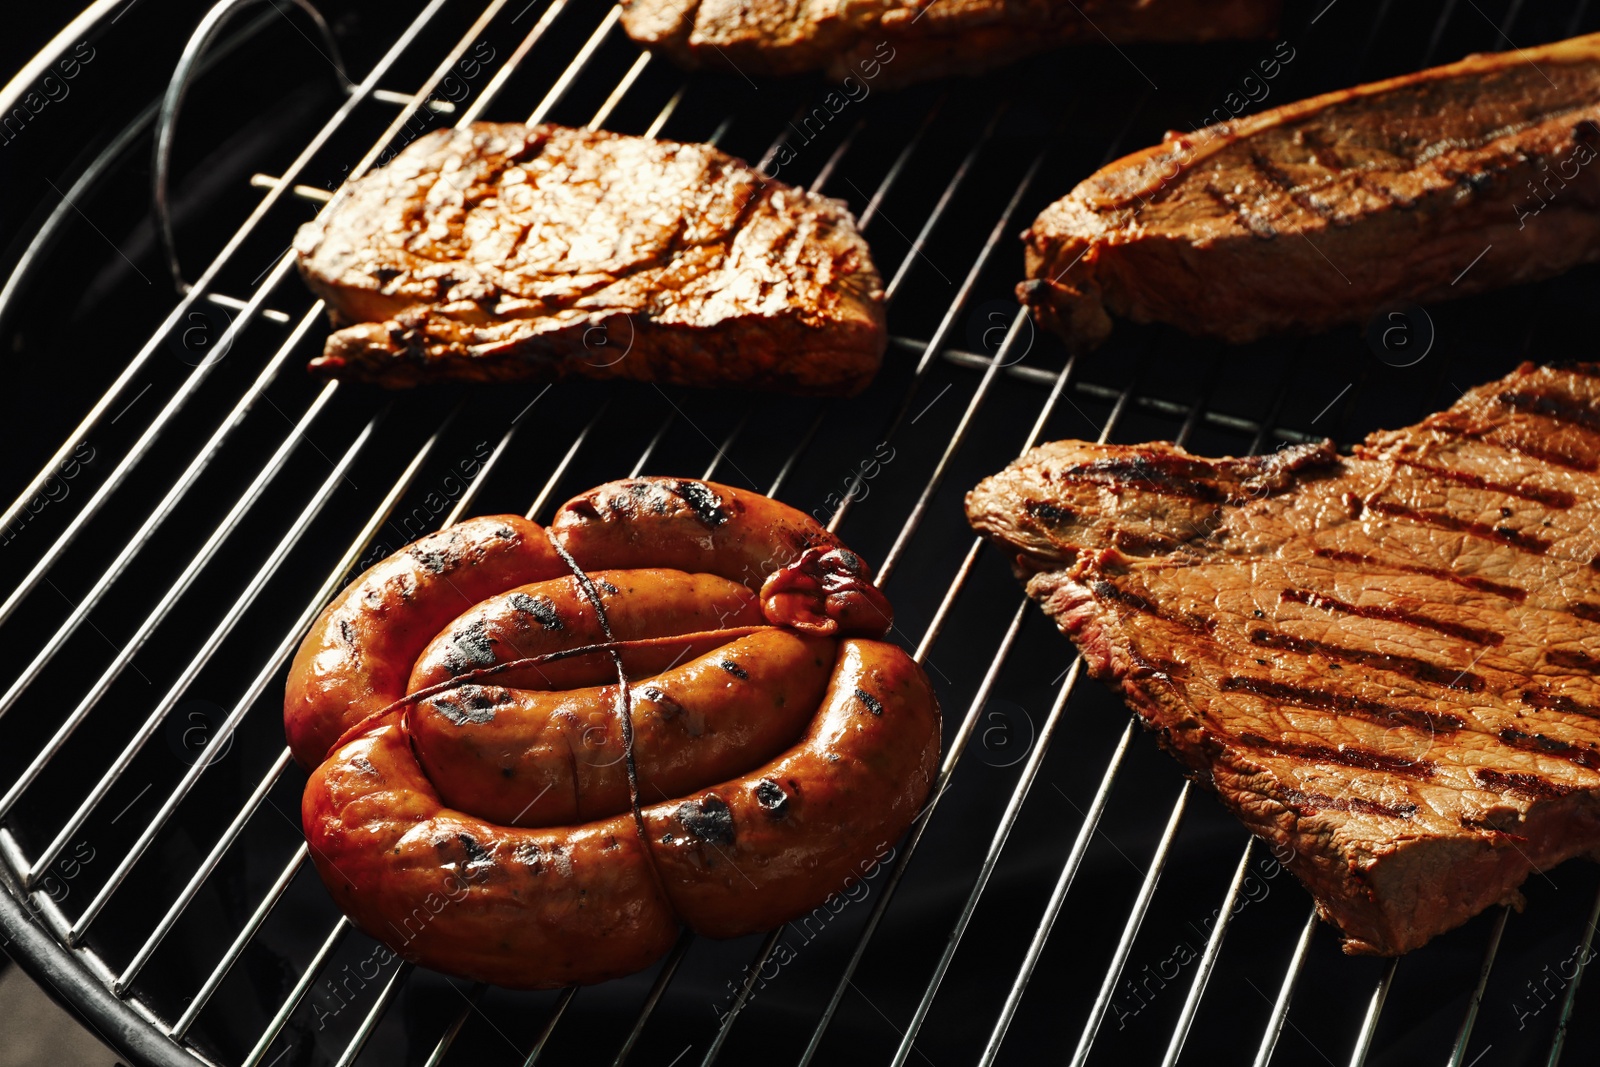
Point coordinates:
[[188, 66]]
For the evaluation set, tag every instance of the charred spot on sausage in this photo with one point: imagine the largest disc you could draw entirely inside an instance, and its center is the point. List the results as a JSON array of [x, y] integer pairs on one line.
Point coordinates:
[[666, 707], [436, 560], [470, 648], [735, 670], [706, 505], [873, 704], [707, 819], [539, 608], [773, 800], [470, 704]]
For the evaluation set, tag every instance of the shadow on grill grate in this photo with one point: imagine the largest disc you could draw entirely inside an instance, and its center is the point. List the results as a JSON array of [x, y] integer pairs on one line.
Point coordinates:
[[1069, 896]]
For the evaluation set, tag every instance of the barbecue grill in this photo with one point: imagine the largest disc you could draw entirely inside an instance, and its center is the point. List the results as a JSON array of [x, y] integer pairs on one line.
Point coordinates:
[[1066, 895]]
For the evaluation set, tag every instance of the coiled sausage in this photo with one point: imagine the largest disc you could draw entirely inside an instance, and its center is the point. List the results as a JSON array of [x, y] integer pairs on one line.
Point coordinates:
[[499, 803]]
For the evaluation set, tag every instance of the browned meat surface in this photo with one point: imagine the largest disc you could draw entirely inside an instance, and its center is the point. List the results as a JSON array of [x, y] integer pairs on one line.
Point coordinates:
[[1319, 212], [502, 252], [1383, 664], [894, 42]]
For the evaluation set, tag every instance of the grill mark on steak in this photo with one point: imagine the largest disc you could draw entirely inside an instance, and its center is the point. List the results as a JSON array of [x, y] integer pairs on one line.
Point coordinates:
[[1389, 613], [1309, 803], [1535, 698], [1145, 606], [1555, 498], [1563, 409], [1528, 785], [1482, 585], [1573, 659], [1330, 700], [1529, 718], [1343, 755], [1543, 453], [1418, 669], [1505, 535], [1163, 475], [1587, 758]]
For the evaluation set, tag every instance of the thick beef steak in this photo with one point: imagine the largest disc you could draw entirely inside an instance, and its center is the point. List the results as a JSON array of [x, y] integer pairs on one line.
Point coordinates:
[[895, 42], [1383, 663], [1455, 180], [498, 252]]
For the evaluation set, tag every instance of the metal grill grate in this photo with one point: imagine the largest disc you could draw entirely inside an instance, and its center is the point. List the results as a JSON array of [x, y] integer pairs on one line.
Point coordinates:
[[1062, 899]]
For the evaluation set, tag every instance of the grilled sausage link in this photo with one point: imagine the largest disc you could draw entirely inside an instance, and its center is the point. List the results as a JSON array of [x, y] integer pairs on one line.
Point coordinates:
[[477, 812]]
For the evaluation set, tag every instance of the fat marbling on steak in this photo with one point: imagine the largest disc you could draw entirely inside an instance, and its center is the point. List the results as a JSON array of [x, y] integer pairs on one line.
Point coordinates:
[[894, 42], [501, 251], [1455, 180], [1384, 664]]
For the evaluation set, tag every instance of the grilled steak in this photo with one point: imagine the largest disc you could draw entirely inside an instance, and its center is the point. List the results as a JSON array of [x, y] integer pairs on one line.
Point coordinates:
[[901, 41], [1384, 664], [1320, 212], [502, 252]]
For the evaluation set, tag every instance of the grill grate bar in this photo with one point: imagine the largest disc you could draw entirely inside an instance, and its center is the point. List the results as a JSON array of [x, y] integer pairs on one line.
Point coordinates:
[[1130, 930], [556, 1013], [214, 639], [649, 449], [937, 214], [1036, 757], [297, 994], [836, 157], [1058, 896], [146, 441], [91, 598], [492, 90], [1369, 1022], [1019, 795], [448, 1038], [1280, 1006], [957, 439], [576, 67], [1464, 1035], [1559, 1042], [919, 825], [1208, 959], [751, 973], [386, 995], [240, 941], [726, 446], [361, 92], [663, 980], [217, 634], [898, 167], [620, 91], [125, 979], [571, 454], [946, 324], [284, 650]]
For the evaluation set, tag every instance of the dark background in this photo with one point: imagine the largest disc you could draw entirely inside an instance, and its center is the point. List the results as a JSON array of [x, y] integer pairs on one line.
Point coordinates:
[[104, 289]]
